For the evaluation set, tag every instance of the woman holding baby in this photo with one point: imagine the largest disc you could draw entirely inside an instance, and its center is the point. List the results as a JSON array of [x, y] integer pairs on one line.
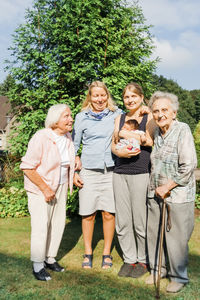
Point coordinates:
[[130, 181]]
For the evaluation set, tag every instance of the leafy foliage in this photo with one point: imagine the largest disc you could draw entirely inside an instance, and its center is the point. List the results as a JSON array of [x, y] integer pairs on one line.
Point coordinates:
[[13, 202], [197, 201], [63, 46], [7, 85], [197, 142], [196, 98]]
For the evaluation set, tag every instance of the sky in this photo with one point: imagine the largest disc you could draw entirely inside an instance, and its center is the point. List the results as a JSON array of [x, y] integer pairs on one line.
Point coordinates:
[[176, 36]]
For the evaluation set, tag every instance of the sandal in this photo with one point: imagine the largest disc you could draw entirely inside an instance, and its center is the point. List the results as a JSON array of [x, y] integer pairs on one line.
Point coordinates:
[[105, 263], [89, 262]]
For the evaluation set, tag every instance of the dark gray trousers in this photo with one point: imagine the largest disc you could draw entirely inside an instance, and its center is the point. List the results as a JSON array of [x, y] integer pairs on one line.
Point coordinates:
[[175, 241]]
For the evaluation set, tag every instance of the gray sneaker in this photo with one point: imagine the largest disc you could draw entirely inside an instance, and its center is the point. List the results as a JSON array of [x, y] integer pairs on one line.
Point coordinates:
[[139, 270], [126, 270]]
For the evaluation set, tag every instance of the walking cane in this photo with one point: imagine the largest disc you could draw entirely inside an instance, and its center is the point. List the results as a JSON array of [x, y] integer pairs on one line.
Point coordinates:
[[161, 249]]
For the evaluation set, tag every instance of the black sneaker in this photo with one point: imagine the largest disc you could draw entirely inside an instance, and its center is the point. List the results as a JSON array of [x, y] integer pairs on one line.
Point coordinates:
[[54, 267], [42, 275], [126, 270], [139, 270]]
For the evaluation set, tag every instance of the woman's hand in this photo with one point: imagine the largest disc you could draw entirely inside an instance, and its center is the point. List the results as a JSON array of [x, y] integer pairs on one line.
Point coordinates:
[[144, 110], [77, 180], [48, 194], [162, 191], [78, 164], [126, 152], [116, 136]]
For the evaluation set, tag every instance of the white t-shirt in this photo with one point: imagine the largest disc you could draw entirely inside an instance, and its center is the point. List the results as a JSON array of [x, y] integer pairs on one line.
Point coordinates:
[[61, 142]]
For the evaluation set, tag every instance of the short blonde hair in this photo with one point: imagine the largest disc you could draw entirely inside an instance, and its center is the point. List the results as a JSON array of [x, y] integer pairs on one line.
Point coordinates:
[[160, 95], [54, 114], [87, 102]]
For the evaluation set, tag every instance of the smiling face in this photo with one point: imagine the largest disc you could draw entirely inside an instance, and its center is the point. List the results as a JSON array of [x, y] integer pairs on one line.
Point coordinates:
[[64, 123], [98, 99], [163, 113], [132, 100]]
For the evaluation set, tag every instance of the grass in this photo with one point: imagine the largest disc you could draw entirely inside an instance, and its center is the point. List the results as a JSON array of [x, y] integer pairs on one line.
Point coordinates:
[[17, 282]]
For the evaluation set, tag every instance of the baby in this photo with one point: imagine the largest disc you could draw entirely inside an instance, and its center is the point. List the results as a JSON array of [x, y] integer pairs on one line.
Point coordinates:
[[132, 143]]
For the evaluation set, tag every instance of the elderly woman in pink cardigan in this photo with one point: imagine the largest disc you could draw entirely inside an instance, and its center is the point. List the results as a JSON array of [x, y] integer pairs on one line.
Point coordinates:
[[48, 167]]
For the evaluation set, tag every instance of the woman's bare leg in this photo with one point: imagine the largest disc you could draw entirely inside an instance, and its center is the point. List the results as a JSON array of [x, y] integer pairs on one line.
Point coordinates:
[[108, 231], [88, 229]]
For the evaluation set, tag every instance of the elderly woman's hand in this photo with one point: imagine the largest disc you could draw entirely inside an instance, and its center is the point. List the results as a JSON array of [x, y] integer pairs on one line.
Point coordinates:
[[162, 191], [48, 194], [127, 153], [77, 180]]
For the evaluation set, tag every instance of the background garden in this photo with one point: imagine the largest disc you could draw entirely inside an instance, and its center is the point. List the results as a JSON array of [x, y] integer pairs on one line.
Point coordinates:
[[61, 48]]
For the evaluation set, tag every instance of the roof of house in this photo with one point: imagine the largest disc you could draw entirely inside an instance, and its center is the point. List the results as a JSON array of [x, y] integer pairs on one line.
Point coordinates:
[[4, 111]]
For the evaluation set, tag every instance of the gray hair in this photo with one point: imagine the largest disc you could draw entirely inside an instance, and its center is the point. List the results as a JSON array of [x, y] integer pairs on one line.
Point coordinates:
[[54, 114], [160, 95]]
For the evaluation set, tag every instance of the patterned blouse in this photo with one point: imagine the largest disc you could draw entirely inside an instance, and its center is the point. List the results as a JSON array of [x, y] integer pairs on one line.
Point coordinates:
[[174, 157]]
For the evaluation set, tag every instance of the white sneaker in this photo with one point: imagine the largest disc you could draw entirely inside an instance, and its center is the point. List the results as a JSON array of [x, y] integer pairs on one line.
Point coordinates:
[[174, 287]]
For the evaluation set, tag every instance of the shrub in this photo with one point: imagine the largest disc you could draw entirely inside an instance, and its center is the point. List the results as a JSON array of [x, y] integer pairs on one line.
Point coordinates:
[[13, 202]]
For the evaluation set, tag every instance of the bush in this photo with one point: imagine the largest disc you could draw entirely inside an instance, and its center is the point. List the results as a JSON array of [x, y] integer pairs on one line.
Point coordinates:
[[197, 201], [72, 203], [13, 202]]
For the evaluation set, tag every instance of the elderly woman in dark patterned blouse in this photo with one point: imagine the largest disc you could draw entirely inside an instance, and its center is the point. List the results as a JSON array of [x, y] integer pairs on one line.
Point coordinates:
[[172, 178]]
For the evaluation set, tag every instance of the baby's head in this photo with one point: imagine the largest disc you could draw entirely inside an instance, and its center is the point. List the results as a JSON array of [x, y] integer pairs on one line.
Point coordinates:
[[131, 125]]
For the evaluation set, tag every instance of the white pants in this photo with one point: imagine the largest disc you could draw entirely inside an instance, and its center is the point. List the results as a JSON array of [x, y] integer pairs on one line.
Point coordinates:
[[47, 223]]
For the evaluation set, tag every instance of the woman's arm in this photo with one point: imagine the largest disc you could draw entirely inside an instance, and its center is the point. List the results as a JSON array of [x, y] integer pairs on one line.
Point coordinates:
[[187, 159], [37, 180], [78, 164], [150, 129]]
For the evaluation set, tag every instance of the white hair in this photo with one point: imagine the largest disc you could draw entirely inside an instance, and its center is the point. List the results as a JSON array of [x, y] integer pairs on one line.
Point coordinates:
[[160, 95], [54, 114]]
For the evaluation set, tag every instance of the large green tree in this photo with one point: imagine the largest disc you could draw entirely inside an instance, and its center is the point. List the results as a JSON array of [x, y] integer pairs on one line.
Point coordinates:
[[64, 45], [197, 142], [196, 98], [7, 85]]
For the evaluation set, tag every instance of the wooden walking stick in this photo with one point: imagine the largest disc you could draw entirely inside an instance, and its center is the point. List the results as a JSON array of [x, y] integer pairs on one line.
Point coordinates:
[[161, 249]]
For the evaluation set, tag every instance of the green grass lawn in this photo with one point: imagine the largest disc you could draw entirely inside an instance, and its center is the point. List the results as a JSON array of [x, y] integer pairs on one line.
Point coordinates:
[[17, 281]]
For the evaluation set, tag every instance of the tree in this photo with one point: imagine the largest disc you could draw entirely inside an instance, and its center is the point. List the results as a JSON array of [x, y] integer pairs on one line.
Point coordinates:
[[196, 98], [197, 142], [187, 109], [64, 45], [7, 85]]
